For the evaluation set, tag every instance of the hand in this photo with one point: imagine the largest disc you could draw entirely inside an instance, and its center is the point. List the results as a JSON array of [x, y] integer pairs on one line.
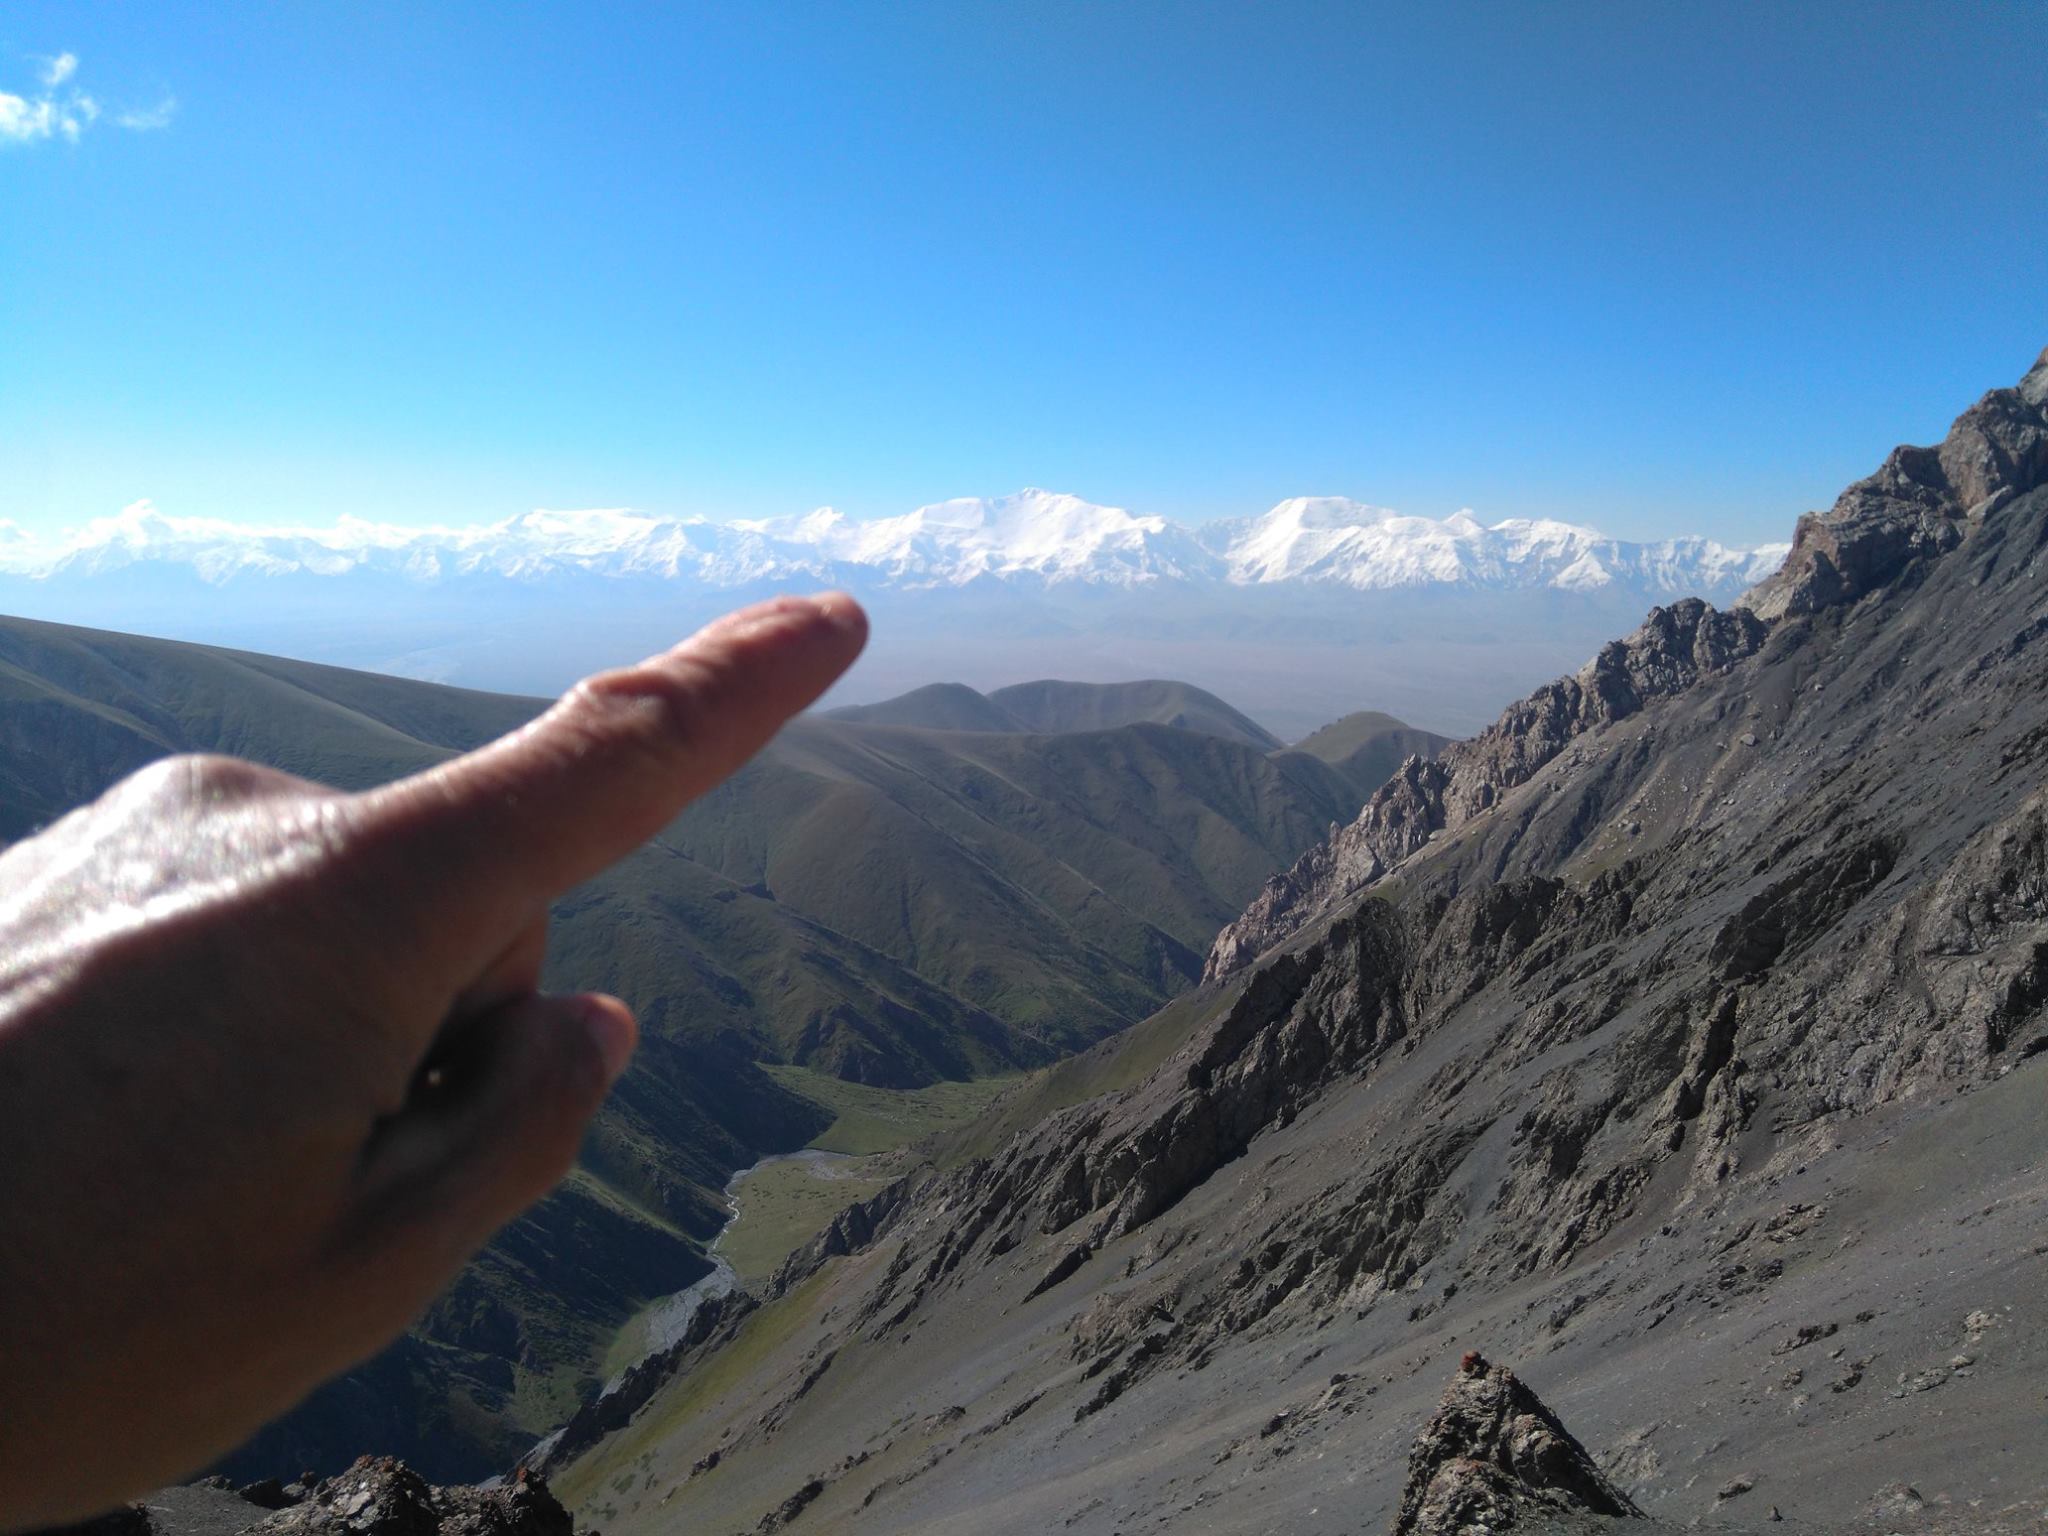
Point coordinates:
[[273, 1063]]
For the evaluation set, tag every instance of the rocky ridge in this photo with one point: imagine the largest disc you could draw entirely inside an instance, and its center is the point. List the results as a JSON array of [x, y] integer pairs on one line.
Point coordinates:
[[380, 1496], [377, 1496], [1921, 503], [1426, 797], [1701, 1070]]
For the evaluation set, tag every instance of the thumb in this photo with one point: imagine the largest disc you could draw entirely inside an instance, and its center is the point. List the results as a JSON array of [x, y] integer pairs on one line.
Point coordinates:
[[493, 1124]]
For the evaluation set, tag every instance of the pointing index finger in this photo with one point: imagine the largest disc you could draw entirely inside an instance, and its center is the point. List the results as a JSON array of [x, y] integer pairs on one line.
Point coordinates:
[[502, 831]]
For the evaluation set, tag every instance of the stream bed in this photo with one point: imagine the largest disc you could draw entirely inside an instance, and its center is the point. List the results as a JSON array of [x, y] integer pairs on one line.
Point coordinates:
[[669, 1319]]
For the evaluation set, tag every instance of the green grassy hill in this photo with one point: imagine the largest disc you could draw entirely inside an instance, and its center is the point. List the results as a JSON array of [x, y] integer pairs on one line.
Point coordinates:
[[934, 707], [1068, 884], [1051, 705], [1368, 746], [880, 903]]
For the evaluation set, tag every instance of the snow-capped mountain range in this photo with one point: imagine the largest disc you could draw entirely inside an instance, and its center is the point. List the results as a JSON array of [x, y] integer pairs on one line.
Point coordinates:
[[1034, 538]]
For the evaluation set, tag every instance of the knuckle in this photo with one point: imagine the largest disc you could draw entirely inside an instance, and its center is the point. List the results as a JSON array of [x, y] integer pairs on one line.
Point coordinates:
[[207, 778], [659, 706]]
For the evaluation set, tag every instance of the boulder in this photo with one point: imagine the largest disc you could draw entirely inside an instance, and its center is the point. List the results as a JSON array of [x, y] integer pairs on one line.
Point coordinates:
[[1494, 1457]]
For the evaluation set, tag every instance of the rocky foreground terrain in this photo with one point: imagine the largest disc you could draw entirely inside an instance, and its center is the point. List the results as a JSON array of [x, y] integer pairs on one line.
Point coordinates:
[[378, 1496], [1680, 1042]]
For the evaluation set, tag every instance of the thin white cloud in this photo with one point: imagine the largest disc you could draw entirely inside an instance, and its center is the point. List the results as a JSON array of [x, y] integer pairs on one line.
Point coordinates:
[[148, 119], [60, 113]]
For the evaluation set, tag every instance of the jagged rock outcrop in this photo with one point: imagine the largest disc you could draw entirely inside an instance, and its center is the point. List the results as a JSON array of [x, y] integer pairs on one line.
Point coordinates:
[[1922, 502], [381, 1496], [1492, 1457], [848, 1232], [1673, 649]]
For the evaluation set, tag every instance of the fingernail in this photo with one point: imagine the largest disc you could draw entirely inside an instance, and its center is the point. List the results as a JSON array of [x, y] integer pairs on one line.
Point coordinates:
[[612, 1031], [841, 611]]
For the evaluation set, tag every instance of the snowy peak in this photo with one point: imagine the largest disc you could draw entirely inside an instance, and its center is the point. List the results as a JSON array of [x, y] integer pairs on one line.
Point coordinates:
[[1347, 543], [1034, 537], [1033, 533]]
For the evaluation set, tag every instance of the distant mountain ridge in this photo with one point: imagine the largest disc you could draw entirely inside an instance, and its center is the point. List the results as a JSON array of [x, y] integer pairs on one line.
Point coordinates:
[[1054, 707], [1033, 537]]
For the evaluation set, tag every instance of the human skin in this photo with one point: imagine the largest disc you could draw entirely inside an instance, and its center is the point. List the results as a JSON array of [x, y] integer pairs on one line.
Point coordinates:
[[274, 1062]]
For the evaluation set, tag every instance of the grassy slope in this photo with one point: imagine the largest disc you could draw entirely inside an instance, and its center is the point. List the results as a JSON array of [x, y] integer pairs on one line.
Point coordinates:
[[934, 707], [1368, 746], [1069, 884], [784, 1203], [1054, 706], [872, 1120]]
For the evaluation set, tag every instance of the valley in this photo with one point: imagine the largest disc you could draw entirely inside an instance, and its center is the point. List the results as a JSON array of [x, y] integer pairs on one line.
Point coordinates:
[[851, 944]]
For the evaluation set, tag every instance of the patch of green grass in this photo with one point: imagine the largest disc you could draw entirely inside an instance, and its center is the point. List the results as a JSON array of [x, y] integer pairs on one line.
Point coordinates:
[[761, 1335], [874, 1120], [786, 1204], [1120, 1062]]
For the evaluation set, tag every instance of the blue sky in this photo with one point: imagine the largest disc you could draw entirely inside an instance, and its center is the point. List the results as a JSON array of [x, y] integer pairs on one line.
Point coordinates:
[[1656, 267]]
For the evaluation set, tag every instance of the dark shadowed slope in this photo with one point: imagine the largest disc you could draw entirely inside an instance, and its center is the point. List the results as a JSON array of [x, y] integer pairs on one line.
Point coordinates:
[[1691, 1055]]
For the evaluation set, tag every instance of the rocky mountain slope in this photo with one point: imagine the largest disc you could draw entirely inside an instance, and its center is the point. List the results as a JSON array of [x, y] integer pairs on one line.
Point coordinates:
[[1685, 1045], [376, 1496], [883, 904]]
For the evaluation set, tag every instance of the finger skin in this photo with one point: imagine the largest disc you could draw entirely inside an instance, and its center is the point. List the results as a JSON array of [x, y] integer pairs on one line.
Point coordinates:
[[516, 824], [436, 1183], [272, 1064]]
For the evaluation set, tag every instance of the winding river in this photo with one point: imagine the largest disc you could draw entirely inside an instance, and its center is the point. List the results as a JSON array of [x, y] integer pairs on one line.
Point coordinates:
[[669, 1319]]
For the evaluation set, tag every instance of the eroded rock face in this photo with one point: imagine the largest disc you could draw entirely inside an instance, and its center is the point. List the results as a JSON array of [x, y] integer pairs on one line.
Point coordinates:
[[1493, 1456], [1673, 649], [1921, 503], [381, 1496]]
